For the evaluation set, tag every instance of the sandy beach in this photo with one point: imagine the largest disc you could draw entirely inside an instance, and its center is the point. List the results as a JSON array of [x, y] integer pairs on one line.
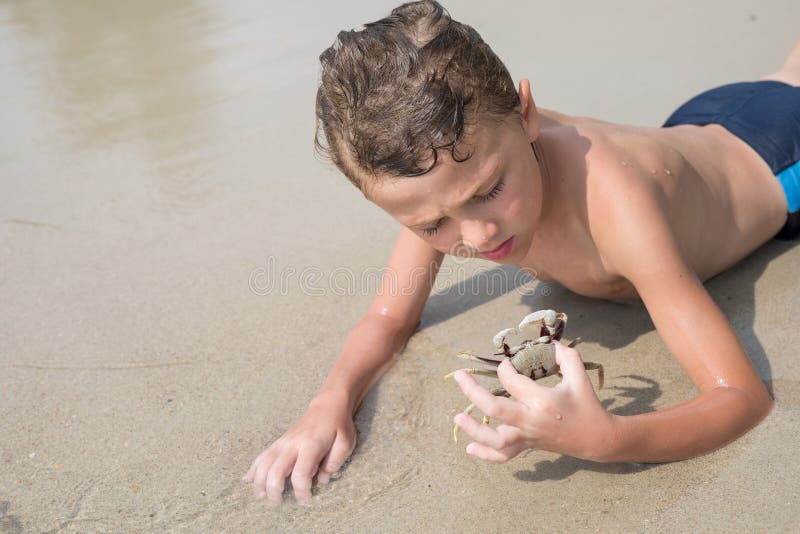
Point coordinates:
[[178, 271]]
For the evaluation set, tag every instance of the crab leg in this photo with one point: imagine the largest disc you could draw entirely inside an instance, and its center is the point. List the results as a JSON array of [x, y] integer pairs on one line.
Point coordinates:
[[473, 371], [456, 428], [600, 373], [591, 366], [492, 359]]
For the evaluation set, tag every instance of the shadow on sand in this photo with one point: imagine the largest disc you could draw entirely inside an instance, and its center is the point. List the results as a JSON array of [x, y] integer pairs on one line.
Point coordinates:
[[615, 325]]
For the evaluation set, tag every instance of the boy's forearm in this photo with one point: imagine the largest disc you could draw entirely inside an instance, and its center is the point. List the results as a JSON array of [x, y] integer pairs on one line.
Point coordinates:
[[704, 424], [394, 314], [367, 353]]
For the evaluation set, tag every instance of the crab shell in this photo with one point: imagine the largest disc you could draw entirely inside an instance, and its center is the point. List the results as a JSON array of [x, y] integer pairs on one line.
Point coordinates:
[[536, 360]]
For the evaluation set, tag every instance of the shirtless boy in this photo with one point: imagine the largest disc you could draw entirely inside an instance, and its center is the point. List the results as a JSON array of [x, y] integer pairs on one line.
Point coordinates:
[[420, 115]]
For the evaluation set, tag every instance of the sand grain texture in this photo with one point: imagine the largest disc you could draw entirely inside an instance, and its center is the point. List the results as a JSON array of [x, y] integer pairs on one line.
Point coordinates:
[[156, 164]]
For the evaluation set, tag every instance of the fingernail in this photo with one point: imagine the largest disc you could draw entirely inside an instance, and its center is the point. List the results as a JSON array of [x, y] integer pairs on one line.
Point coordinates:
[[304, 501], [260, 495], [470, 449]]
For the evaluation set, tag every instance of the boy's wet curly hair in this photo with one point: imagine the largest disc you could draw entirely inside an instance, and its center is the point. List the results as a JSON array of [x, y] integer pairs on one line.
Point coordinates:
[[396, 92]]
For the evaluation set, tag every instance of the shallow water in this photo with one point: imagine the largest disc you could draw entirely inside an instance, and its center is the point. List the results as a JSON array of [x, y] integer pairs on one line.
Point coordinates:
[[155, 156]]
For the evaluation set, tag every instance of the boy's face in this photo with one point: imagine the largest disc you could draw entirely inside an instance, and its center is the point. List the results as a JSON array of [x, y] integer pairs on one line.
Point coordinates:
[[488, 205]]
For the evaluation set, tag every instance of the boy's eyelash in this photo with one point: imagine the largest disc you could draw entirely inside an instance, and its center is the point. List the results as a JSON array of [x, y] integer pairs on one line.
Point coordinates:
[[493, 193], [483, 198], [432, 230]]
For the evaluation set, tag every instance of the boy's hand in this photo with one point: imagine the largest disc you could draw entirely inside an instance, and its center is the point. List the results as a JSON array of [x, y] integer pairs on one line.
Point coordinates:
[[567, 418], [318, 444]]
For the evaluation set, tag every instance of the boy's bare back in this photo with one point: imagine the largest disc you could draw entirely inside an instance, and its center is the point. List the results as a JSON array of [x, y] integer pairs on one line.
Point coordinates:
[[715, 191]]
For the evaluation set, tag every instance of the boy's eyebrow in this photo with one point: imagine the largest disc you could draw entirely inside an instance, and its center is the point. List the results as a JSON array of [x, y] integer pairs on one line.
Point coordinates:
[[473, 194]]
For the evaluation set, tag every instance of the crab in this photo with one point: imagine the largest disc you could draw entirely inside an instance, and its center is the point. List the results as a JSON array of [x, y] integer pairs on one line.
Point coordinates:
[[534, 358]]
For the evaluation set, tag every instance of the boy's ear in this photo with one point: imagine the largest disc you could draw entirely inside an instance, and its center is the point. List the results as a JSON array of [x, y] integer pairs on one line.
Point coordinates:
[[528, 111]]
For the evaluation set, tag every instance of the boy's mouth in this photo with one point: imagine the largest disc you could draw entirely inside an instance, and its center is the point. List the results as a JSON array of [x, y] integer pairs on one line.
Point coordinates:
[[500, 252]]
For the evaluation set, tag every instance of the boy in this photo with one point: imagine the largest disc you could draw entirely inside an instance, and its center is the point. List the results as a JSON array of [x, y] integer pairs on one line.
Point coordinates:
[[421, 115]]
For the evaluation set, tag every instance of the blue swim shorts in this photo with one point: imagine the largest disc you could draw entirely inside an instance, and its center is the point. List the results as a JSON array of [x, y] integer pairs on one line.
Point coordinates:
[[766, 116]]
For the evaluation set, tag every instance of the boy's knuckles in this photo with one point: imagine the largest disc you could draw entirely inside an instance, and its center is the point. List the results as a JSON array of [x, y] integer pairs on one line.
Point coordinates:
[[518, 385], [336, 461], [322, 442], [502, 457], [566, 356], [260, 478], [496, 457], [495, 411], [539, 406], [510, 433], [503, 442], [268, 455], [331, 469], [275, 482], [301, 481]]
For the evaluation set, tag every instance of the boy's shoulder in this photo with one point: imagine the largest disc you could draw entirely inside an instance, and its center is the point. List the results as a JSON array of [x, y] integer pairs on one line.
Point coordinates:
[[605, 192], [603, 167], [589, 179]]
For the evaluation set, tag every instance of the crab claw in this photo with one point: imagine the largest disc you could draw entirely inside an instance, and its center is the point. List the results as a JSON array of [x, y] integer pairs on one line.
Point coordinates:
[[499, 338], [541, 317]]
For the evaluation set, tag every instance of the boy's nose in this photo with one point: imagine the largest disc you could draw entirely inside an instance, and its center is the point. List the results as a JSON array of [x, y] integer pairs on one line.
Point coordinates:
[[479, 235]]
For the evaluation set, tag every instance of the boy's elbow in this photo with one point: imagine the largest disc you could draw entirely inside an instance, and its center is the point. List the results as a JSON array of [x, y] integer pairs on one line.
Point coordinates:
[[763, 404], [759, 403]]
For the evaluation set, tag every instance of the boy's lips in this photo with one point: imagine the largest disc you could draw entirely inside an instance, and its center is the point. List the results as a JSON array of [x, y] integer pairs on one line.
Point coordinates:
[[500, 252]]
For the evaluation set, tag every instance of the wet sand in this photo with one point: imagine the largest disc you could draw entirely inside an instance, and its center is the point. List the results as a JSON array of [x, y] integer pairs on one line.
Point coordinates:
[[160, 198]]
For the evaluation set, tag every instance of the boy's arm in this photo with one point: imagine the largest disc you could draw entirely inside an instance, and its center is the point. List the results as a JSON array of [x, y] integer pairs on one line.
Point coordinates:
[[390, 320], [636, 240], [325, 436]]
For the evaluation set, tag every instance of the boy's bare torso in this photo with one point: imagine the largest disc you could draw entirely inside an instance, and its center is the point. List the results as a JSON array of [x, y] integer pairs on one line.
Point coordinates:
[[720, 198]]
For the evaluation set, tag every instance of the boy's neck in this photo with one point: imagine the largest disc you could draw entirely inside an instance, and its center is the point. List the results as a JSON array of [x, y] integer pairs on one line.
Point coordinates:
[[546, 150]]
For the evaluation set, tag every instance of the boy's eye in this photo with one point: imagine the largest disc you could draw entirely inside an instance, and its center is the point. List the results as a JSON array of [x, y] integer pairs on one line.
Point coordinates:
[[481, 198], [493, 193], [433, 229]]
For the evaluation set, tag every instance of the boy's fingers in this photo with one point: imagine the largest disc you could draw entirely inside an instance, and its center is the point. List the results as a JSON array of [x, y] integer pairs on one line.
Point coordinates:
[[520, 386], [479, 432], [276, 477], [248, 477], [260, 480], [265, 459], [495, 407], [479, 450], [339, 452], [304, 470], [513, 450], [569, 360], [260, 469]]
